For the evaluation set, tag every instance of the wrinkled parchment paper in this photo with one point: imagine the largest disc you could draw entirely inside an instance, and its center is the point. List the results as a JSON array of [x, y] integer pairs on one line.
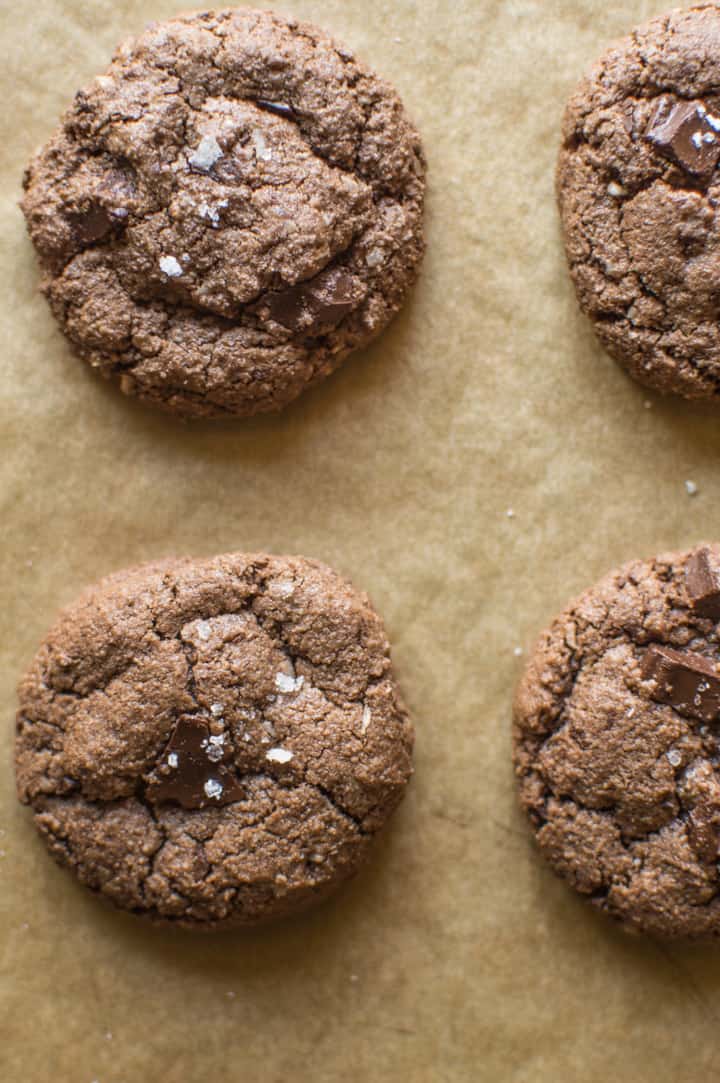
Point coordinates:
[[456, 956]]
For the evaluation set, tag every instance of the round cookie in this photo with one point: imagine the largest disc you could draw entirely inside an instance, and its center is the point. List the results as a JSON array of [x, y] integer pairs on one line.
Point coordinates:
[[213, 742], [617, 744], [638, 184], [227, 212]]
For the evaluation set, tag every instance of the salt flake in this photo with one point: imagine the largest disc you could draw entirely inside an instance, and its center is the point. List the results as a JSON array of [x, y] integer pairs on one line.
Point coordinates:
[[170, 266], [207, 153], [279, 755], [213, 788], [285, 683]]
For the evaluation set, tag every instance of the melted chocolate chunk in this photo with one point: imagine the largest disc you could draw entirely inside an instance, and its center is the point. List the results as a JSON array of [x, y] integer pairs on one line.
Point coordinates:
[[688, 135], [279, 108], [703, 828], [190, 770], [702, 582], [321, 303], [93, 225], [688, 682]]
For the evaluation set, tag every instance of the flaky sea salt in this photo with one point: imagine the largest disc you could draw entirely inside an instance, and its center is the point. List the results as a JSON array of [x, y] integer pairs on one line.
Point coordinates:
[[214, 747], [206, 154], [262, 150], [213, 788], [285, 683], [278, 755], [170, 266]]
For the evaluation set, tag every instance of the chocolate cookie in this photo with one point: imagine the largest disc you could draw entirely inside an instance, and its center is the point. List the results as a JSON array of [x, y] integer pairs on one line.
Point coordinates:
[[227, 212], [638, 184], [213, 742], [617, 744]]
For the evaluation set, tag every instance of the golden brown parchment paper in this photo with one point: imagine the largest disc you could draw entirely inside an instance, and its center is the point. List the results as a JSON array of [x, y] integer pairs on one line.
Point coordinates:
[[456, 956]]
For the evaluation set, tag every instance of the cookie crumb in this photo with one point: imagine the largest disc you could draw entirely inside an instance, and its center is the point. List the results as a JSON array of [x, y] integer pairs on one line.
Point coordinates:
[[279, 755], [615, 190], [674, 757], [216, 710], [170, 266], [366, 719]]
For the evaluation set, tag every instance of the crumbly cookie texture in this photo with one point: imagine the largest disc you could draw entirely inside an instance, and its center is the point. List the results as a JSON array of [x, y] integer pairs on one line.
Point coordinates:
[[227, 212], [616, 744], [213, 742], [638, 186]]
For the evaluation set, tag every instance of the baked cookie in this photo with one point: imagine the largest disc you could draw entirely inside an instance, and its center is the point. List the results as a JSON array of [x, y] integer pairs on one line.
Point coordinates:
[[617, 744], [638, 183], [227, 212], [213, 742]]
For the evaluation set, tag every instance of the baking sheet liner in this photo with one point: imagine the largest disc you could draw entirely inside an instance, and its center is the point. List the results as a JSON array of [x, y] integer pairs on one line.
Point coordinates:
[[456, 956]]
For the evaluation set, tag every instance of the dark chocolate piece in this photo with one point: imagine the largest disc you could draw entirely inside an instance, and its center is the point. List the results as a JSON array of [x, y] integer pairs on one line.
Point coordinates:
[[688, 682], [703, 828], [279, 108], [702, 582], [190, 770], [321, 303], [93, 224], [688, 135]]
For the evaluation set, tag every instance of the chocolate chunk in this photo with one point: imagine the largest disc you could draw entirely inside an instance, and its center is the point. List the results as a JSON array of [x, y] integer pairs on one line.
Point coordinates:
[[288, 307], [279, 108], [703, 828], [92, 225], [702, 582], [688, 682], [688, 135], [190, 771], [318, 304], [334, 297]]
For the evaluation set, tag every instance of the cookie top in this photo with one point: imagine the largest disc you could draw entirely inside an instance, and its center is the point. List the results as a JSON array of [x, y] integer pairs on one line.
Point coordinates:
[[638, 183], [228, 211], [617, 744], [213, 742]]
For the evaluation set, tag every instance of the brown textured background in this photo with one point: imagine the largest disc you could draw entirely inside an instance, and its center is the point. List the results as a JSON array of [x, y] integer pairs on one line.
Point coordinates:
[[456, 956]]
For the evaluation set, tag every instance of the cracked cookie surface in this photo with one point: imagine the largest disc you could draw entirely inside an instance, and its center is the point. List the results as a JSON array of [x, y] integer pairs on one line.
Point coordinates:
[[638, 187], [227, 212], [616, 744], [213, 742]]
